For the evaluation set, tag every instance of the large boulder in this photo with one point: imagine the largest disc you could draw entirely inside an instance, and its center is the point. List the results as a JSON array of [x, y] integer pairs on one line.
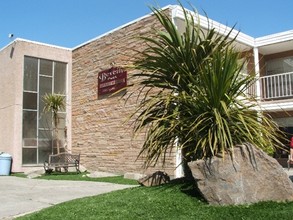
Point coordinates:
[[249, 176]]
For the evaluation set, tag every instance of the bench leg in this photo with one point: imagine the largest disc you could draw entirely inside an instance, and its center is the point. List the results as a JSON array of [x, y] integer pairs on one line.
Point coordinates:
[[47, 169], [77, 169], [65, 169], [58, 169], [77, 166]]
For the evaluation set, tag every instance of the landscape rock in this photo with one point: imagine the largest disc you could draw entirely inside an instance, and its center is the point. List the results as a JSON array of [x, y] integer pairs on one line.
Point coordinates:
[[134, 176], [251, 176], [34, 173], [155, 179], [97, 174]]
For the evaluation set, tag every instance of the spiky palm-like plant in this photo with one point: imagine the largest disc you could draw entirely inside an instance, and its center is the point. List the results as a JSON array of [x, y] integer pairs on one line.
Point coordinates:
[[54, 103], [195, 95]]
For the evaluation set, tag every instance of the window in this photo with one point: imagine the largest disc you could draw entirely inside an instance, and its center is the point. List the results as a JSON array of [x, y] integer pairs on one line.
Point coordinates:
[[60, 78], [277, 66], [30, 74], [40, 77]]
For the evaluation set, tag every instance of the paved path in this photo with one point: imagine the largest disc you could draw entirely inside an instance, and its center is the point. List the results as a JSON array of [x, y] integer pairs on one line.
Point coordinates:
[[21, 195]]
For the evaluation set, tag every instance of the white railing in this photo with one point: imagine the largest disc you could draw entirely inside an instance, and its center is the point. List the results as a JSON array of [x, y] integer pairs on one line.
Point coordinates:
[[251, 90], [276, 86]]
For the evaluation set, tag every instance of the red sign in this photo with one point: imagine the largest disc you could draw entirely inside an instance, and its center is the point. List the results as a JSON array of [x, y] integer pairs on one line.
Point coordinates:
[[111, 80]]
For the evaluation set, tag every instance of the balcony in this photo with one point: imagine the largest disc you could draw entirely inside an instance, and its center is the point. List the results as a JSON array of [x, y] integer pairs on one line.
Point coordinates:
[[278, 86]]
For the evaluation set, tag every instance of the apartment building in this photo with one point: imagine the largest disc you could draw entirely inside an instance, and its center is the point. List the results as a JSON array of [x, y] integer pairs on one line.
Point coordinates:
[[274, 63], [96, 120], [28, 71]]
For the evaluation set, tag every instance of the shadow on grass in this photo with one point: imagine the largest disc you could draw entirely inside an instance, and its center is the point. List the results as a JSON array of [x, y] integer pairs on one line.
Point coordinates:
[[56, 173], [186, 186]]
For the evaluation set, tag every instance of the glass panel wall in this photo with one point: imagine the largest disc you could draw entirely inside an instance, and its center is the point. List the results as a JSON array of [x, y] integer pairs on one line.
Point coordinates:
[[30, 82], [30, 100], [46, 67], [29, 131], [60, 78], [41, 77], [281, 65], [46, 87]]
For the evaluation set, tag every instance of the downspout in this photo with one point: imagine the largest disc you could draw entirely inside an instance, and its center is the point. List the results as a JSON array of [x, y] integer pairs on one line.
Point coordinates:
[[178, 158]]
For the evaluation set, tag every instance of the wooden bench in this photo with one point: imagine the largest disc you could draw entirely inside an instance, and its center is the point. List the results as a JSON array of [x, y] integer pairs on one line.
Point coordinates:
[[62, 160]]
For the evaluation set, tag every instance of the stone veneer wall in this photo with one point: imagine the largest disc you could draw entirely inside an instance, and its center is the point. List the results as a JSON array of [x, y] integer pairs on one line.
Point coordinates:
[[99, 131]]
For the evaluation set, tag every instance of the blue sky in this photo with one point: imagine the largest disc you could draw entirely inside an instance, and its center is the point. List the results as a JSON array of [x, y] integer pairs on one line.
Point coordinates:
[[69, 23]]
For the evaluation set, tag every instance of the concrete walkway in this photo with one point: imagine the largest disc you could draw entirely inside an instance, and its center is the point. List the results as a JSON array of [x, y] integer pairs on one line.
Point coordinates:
[[21, 195]]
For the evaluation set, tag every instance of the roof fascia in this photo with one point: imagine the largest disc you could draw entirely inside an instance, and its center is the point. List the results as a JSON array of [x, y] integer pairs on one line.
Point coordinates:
[[34, 42], [207, 23], [274, 38], [3, 48]]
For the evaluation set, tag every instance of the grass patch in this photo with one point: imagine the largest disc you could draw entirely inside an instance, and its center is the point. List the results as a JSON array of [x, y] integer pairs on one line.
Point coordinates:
[[22, 175], [82, 177], [171, 201]]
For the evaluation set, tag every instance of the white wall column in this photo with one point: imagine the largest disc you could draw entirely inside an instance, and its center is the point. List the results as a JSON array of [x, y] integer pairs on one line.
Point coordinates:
[[257, 72], [179, 168]]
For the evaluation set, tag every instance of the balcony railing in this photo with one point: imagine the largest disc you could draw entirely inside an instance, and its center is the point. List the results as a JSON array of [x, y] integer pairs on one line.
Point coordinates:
[[276, 86]]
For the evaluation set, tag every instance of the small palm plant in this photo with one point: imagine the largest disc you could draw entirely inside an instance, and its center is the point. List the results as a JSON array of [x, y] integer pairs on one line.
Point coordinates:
[[54, 103], [194, 95]]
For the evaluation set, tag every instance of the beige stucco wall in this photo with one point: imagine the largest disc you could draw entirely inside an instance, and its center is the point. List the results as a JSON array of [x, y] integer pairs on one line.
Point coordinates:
[[11, 88], [10, 104], [99, 131]]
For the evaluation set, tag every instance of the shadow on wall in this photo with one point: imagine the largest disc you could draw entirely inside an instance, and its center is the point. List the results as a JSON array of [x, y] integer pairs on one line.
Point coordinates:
[[155, 179], [112, 95], [11, 52]]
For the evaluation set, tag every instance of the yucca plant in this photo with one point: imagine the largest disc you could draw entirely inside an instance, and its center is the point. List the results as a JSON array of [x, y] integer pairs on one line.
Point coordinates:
[[54, 103], [194, 95]]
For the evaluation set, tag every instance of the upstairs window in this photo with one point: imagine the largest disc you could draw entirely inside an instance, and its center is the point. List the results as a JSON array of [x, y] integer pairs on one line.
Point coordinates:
[[281, 65]]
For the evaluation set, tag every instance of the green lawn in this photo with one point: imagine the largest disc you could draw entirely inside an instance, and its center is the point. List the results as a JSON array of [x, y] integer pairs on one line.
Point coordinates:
[[171, 201]]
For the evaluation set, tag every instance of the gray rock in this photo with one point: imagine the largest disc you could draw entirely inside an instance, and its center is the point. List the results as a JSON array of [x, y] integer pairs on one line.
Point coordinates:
[[251, 176], [34, 173], [97, 174], [155, 179], [134, 176]]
